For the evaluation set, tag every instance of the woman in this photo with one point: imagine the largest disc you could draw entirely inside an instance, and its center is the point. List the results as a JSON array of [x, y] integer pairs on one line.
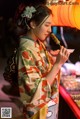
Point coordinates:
[[38, 73]]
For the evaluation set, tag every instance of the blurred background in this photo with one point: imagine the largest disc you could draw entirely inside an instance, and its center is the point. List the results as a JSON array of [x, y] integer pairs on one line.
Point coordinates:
[[68, 36]]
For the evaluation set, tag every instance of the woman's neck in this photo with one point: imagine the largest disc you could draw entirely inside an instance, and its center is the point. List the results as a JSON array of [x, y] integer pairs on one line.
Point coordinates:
[[32, 36]]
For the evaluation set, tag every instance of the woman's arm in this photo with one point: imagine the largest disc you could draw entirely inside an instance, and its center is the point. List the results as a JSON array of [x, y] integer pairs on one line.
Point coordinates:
[[61, 58]]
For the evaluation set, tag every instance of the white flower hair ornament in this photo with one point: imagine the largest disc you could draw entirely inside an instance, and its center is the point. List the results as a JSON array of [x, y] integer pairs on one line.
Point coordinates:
[[28, 12]]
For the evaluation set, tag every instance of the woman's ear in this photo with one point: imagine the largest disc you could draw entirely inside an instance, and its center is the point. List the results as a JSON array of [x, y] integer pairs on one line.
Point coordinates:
[[32, 25]]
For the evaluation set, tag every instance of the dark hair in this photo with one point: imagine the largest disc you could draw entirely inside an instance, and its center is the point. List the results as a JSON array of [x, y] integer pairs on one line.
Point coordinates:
[[41, 12], [34, 2]]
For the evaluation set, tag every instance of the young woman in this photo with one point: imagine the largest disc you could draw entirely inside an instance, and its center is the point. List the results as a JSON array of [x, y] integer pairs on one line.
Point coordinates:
[[38, 73]]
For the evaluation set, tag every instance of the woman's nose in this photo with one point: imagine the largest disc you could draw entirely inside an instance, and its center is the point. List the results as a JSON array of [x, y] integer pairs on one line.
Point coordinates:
[[49, 30]]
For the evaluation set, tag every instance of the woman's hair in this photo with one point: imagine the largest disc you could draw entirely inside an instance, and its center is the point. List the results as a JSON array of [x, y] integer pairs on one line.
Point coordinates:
[[26, 14], [41, 13]]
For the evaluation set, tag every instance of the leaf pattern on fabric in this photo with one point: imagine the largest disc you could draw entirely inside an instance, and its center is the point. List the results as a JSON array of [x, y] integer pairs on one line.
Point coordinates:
[[33, 67]]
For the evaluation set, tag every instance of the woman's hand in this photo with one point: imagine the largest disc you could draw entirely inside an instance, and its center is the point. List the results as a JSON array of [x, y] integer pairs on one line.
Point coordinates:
[[62, 56], [54, 54]]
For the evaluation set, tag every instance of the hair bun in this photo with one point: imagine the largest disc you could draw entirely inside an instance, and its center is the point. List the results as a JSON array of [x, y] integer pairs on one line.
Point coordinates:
[[19, 10]]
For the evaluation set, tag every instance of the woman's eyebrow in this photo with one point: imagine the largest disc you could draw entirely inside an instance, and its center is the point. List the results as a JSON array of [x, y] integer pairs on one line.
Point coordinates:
[[48, 22]]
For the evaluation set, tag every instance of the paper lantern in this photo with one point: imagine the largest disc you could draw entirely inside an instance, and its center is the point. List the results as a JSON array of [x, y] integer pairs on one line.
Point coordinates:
[[55, 15], [77, 15], [71, 15], [60, 19], [66, 14]]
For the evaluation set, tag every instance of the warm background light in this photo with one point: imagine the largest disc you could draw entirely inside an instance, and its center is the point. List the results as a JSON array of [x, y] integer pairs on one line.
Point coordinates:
[[66, 14]]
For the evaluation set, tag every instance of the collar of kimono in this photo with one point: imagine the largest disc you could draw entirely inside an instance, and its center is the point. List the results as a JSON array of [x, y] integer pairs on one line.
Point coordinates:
[[42, 45]]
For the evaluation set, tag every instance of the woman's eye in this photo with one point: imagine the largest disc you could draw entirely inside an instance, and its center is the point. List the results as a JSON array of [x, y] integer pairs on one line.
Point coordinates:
[[46, 25]]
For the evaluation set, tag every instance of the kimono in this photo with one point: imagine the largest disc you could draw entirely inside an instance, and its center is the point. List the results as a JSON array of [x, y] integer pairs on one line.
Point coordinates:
[[40, 99]]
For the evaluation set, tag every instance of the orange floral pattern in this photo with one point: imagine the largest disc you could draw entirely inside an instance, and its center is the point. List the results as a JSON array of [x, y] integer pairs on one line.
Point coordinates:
[[34, 65]]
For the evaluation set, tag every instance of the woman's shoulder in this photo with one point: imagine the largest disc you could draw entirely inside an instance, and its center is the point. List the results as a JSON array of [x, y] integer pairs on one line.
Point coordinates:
[[27, 43]]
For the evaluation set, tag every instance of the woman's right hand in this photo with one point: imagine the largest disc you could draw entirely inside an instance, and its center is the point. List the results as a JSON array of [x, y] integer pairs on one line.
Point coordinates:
[[62, 56]]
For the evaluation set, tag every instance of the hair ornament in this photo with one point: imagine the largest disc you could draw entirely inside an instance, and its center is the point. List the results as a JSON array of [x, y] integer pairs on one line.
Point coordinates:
[[28, 12], [28, 27]]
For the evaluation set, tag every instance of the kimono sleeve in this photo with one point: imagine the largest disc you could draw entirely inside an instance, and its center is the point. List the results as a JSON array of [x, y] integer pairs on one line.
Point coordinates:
[[30, 81]]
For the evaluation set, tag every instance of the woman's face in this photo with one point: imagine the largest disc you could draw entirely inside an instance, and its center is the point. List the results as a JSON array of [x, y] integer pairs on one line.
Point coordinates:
[[43, 31]]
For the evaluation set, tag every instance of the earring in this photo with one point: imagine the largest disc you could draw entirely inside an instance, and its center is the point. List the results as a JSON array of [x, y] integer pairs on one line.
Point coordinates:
[[33, 27]]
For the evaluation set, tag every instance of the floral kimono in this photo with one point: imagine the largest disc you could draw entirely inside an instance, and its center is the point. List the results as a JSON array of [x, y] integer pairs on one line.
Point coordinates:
[[40, 100]]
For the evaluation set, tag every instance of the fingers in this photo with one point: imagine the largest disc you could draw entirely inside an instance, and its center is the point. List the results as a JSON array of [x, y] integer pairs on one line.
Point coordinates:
[[64, 52], [54, 53]]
